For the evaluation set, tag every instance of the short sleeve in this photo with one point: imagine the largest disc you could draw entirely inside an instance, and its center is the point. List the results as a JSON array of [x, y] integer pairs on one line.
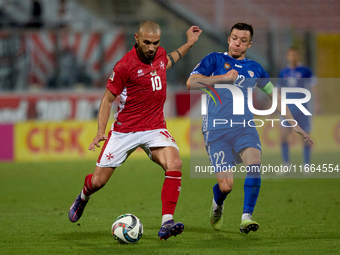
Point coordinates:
[[264, 78], [309, 73], [165, 57], [311, 76], [282, 73], [313, 81], [280, 79], [118, 78], [207, 65]]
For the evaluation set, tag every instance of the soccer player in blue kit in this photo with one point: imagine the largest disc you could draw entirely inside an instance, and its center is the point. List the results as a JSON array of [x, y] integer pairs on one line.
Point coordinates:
[[235, 141], [297, 76]]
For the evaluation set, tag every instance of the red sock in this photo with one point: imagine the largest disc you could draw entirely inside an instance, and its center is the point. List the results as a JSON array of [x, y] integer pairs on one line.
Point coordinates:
[[170, 191], [88, 190]]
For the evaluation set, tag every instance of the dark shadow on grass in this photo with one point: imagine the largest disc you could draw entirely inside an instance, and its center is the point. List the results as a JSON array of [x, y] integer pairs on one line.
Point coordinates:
[[226, 234], [197, 229], [77, 235]]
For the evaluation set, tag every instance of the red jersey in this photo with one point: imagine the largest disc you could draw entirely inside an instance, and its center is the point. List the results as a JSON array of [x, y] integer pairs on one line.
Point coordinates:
[[142, 89]]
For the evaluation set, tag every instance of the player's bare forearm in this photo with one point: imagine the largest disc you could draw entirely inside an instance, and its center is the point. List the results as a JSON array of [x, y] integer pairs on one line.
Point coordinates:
[[197, 80], [289, 117], [105, 111], [192, 34], [176, 55], [103, 117]]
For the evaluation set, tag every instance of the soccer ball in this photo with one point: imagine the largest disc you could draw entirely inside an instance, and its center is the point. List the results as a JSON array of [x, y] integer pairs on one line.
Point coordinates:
[[127, 228]]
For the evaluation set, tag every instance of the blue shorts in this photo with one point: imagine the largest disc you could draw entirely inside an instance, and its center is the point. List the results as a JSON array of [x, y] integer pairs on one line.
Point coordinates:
[[223, 146]]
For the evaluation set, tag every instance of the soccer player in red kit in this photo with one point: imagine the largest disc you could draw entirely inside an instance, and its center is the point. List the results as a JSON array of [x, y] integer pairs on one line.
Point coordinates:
[[140, 80]]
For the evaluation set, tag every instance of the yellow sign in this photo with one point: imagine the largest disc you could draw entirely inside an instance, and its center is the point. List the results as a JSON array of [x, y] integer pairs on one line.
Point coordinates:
[[69, 140]]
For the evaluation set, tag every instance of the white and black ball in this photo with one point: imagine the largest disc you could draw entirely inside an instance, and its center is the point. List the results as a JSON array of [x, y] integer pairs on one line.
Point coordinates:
[[127, 228]]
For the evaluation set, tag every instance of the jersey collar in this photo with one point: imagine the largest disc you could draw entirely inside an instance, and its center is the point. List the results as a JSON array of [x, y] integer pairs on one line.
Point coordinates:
[[226, 53]]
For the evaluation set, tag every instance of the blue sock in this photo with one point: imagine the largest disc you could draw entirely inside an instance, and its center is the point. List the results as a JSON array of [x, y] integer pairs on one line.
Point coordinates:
[[285, 152], [306, 154], [251, 187], [219, 196]]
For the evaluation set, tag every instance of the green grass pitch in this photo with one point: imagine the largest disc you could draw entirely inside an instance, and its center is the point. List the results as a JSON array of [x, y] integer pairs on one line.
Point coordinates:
[[296, 216]]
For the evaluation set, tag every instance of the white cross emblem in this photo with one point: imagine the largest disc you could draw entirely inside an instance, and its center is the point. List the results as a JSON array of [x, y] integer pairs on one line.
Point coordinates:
[[162, 65]]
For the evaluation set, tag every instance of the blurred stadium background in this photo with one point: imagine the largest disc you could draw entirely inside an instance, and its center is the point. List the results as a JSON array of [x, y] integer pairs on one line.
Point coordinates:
[[55, 59], [56, 55]]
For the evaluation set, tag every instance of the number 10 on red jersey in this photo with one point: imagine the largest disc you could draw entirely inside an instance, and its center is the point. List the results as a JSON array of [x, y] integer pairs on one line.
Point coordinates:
[[156, 83]]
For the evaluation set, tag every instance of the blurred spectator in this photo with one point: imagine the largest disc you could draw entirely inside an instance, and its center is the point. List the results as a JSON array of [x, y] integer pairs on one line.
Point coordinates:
[[62, 14], [70, 73], [5, 19], [65, 73], [83, 79], [36, 15], [2, 16]]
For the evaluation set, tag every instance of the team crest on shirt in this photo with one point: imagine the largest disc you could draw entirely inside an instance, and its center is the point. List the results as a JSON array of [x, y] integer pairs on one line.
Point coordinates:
[[251, 73], [112, 75], [227, 66], [153, 73]]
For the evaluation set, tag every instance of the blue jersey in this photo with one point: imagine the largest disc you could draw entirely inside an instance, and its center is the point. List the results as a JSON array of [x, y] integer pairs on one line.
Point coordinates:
[[298, 77], [250, 74]]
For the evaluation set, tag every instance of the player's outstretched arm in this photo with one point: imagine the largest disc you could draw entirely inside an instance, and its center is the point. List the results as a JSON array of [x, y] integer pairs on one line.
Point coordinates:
[[289, 117], [103, 117], [306, 137], [197, 80], [192, 34]]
